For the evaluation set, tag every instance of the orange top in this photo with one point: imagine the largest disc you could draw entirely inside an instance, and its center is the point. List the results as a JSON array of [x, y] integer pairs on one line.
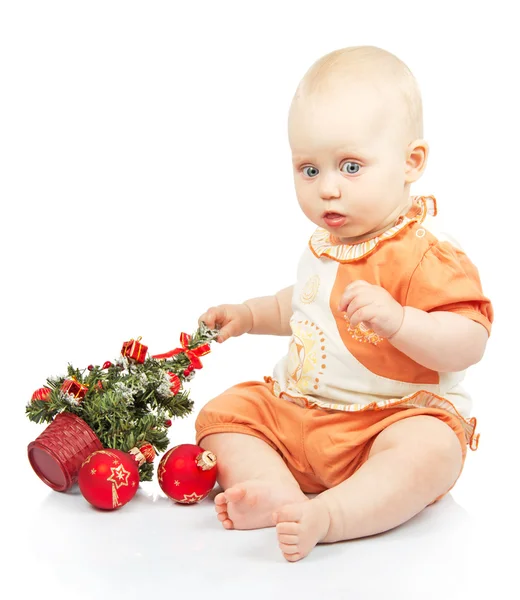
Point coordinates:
[[330, 365], [418, 270]]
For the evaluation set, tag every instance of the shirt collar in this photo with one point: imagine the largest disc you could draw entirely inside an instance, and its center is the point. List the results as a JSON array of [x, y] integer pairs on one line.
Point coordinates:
[[323, 243]]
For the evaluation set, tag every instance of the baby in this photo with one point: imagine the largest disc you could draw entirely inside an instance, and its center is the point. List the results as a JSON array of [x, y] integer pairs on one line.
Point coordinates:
[[366, 410]]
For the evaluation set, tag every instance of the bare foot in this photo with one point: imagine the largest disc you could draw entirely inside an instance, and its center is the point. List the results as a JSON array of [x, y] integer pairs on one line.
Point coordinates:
[[300, 527], [250, 504]]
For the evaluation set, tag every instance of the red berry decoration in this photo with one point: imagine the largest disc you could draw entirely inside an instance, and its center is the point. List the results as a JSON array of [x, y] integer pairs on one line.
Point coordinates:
[[42, 393], [108, 479], [187, 473], [106, 365]]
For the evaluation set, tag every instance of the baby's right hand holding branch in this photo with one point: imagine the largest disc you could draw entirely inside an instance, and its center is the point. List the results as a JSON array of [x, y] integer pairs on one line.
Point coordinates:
[[232, 319]]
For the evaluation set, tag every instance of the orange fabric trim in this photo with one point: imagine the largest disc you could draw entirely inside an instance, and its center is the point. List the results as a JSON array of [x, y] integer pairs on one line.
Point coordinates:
[[418, 399]]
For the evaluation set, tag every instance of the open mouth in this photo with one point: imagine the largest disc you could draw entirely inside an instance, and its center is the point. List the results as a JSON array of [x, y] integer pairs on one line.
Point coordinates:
[[333, 219]]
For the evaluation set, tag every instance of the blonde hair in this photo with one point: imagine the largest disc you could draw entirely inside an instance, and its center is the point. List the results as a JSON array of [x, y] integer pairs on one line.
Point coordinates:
[[367, 63]]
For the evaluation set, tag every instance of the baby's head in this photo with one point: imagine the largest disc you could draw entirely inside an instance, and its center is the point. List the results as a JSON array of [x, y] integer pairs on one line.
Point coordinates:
[[355, 131]]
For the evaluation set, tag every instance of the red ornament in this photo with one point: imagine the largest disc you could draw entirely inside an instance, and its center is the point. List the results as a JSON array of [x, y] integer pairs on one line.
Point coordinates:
[[73, 387], [135, 350], [108, 479], [107, 365], [57, 453], [142, 453], [42, 393], [187, 473], [168, 423], [90, 367], [175, 381]]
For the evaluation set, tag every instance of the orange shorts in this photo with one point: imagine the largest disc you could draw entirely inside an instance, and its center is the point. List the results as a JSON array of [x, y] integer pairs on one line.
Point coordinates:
[[320, 447]]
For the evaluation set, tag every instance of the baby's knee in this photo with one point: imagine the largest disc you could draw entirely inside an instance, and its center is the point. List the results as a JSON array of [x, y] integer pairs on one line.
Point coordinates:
[[440, 453]]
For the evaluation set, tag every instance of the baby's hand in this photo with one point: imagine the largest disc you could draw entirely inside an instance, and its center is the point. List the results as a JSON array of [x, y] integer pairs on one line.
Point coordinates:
[[233, 320], [372, 305]]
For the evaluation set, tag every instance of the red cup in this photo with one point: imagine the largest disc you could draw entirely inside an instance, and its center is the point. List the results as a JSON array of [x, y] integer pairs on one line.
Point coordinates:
[[57, 454]]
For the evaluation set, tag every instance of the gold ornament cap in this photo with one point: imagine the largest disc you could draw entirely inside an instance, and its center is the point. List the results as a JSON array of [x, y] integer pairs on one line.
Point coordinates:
[[138, 456], [206, 460]]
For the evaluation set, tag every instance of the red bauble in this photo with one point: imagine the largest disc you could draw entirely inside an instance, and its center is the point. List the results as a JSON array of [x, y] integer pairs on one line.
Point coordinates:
[[42, 393], [187, 473], [109, 479], [142, 453]]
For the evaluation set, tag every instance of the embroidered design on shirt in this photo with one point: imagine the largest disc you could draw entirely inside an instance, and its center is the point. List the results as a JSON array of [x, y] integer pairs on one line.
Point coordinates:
[[306, 357], [310, 290], [362, 333]]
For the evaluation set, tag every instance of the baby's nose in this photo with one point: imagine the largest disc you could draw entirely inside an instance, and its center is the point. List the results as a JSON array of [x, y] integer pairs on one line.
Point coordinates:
[[330, 189]]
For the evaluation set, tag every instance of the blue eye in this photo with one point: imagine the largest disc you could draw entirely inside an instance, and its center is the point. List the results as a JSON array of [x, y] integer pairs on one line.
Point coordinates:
[[313, 168], [352, 169], [351, 166]]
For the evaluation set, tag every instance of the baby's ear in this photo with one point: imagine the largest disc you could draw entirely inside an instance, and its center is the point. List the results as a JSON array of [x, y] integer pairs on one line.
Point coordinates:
[[416, 159]]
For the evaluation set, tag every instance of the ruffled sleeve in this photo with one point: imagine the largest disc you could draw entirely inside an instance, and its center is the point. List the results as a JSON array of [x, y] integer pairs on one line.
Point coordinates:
[[446, 280]]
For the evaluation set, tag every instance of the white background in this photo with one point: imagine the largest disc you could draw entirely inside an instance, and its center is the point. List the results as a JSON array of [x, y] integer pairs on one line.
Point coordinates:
[[145, 175]]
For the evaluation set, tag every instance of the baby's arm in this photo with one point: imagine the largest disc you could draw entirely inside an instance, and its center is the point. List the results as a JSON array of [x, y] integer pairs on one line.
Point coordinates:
[[447, 341], [271, 314]]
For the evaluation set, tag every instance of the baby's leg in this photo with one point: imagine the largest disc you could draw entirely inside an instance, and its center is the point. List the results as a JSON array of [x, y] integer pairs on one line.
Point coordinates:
[[411, 463], [255, 479]]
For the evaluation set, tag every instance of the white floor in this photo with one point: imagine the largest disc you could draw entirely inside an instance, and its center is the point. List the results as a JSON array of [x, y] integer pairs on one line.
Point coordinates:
[[60, 547]]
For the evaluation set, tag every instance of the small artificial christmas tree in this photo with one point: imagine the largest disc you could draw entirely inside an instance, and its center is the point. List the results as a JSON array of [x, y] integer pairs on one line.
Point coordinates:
[[129, 403]]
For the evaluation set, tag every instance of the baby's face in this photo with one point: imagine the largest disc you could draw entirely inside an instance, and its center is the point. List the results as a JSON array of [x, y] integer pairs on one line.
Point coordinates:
[[349, 157]]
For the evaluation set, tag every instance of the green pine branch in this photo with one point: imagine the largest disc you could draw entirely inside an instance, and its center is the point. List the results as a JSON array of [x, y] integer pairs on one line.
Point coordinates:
[[127, 403]]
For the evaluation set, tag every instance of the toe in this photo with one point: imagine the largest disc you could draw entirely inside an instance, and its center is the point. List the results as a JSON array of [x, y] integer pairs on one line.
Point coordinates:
[[220, 499], [292, 557], [285, 538], [235, 494], [221, 508], [288, 528], [228, 524], [289, 513], [289, 548]]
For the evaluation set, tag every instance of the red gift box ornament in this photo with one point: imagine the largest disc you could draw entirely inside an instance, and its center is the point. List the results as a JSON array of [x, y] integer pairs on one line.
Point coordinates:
[[192, 354], [135, 350], [73, 387]]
